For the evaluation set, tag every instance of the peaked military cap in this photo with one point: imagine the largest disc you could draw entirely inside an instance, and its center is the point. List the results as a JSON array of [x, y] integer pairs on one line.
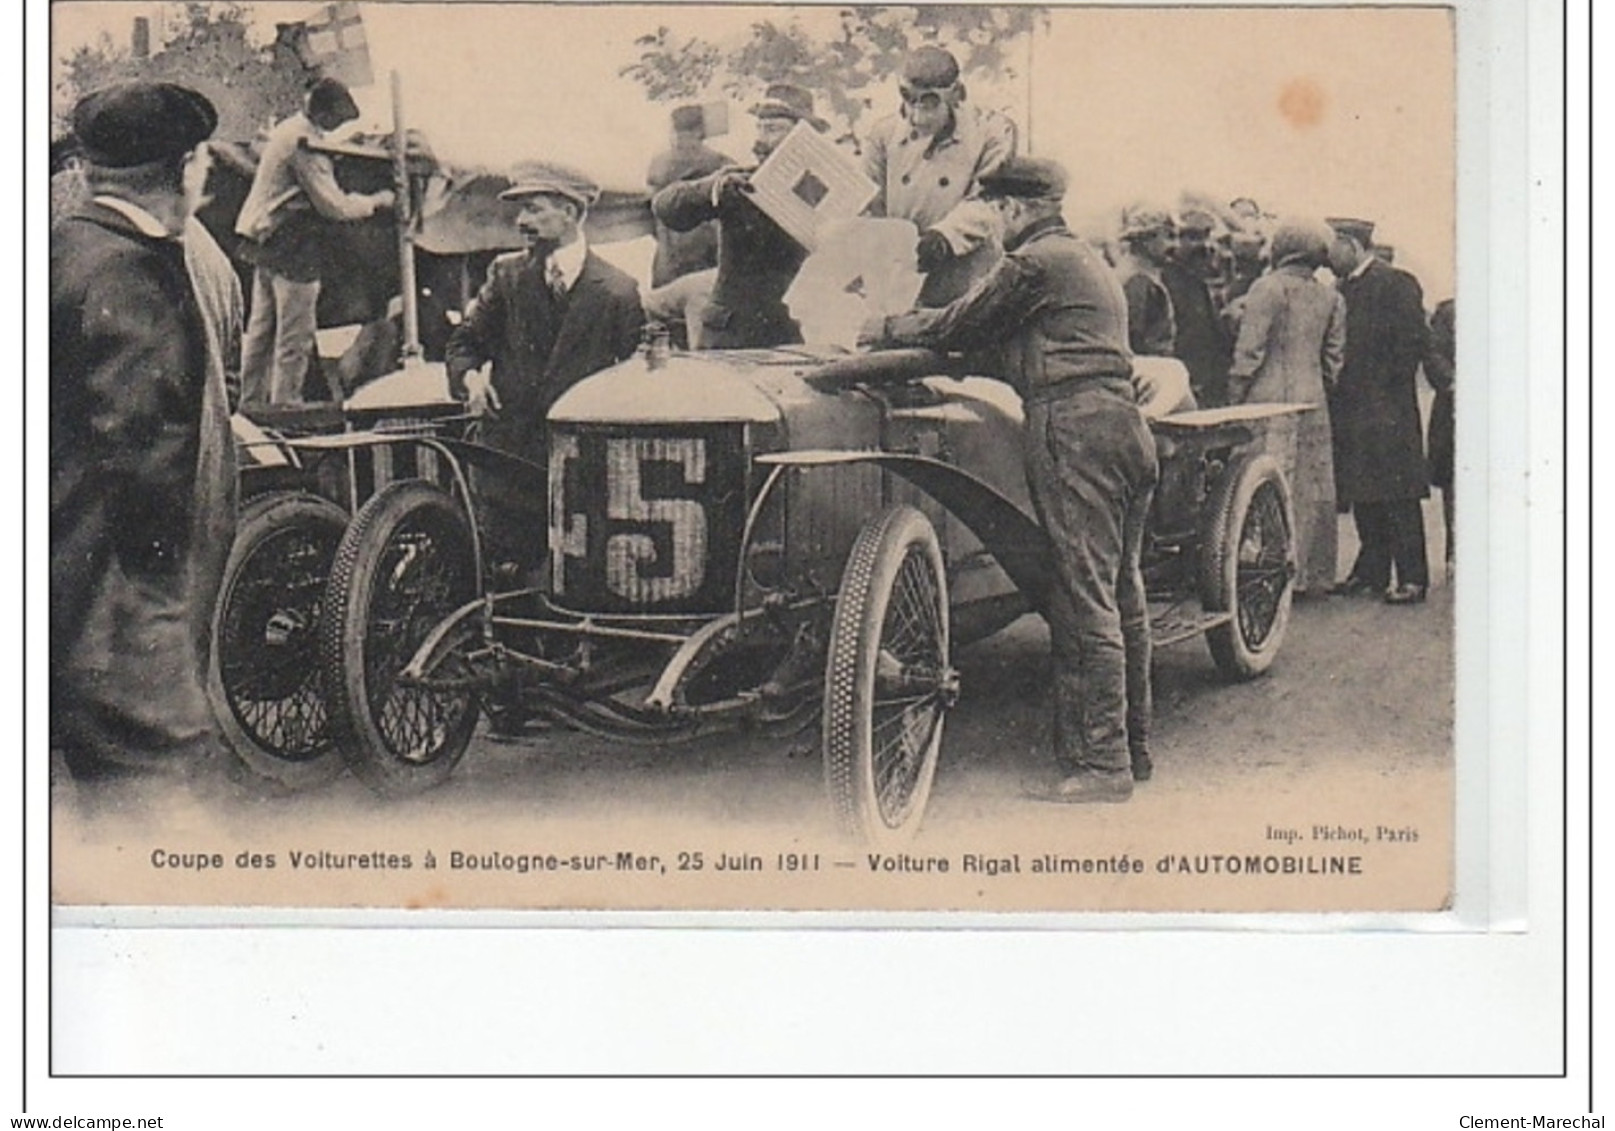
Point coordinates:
[[1360, 230], [1028, 178]]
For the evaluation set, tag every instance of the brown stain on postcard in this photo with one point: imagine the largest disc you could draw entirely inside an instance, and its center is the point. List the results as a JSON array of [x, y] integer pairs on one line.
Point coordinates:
[[1302, 103]]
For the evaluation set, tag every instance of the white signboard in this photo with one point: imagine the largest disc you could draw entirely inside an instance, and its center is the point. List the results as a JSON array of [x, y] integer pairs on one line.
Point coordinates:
[[807, 182]]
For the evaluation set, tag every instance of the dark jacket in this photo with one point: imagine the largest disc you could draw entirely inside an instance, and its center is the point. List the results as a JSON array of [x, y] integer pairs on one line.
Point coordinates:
[[539, 346], [1051, 311], [128, 380], [128, 368], [1379, 447], [683, 253], [757, 262], [1441, 369], [1201, 343]]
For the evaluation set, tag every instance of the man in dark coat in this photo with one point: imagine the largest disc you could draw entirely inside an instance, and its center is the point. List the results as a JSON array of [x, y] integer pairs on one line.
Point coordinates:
[[757, 259], [1380, 470], [1057, 319], [1149, 235], [690, 158], [129, 378], [1201, 341], [545, 318]]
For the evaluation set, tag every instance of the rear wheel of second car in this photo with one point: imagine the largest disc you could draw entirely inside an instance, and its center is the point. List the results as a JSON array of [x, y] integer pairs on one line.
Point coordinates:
[[1247, 565], [263, 670]]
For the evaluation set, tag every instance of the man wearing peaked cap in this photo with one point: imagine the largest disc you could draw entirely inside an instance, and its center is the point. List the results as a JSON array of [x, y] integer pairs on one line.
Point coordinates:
[[1057, 317], [928, 161], [1380, 469], [1360, 230], [294, 196], [757, 259], [129, 381], [544, 319]]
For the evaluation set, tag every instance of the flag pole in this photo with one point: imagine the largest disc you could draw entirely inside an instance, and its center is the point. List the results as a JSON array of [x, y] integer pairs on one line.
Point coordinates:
[[403, 212]]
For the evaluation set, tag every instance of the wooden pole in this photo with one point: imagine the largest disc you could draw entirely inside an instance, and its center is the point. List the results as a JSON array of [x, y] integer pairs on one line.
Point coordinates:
[[403, 212]]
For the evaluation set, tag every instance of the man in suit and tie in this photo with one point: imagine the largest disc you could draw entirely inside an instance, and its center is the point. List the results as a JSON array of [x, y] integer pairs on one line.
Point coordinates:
[[546, 318]]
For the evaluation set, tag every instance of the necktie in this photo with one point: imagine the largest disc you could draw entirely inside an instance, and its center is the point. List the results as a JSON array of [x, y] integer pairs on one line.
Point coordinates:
[[556, 279]]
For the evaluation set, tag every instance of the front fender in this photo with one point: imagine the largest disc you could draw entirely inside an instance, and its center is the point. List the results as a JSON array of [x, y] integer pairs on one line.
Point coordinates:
[[1012, 536]]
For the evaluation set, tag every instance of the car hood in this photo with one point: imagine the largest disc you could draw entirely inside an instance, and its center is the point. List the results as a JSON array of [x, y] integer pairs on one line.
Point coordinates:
[[749, 386]]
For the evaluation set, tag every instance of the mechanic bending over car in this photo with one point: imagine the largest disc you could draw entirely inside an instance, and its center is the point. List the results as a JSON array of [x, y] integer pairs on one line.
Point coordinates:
[[1055, 318], [546, 318]]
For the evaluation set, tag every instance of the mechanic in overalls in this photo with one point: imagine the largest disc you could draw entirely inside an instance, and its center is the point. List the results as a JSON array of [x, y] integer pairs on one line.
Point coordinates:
[[1054, 315]]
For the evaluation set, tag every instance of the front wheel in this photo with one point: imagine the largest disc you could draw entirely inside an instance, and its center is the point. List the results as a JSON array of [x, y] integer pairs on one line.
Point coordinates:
[[263, 671], [888, 683], [404, 565], [1247, 565]]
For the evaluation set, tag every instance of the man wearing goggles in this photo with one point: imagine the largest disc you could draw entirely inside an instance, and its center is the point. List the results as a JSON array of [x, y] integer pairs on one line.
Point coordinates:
[[928, 161]]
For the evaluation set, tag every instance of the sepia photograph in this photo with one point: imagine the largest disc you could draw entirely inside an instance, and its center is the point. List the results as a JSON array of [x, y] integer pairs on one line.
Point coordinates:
[[729, 458]]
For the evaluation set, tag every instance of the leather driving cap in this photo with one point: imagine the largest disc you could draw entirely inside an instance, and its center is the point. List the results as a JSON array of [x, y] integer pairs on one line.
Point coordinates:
[[930, 68], [135, 123]]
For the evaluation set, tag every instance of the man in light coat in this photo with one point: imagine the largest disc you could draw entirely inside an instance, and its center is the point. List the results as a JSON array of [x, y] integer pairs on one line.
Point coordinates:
[[928, 161], [282, 224]]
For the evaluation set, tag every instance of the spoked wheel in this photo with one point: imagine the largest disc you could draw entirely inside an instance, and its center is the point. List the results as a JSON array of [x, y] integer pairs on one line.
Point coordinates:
[[1247, 565], [404, 565], [888, 683], [263, 670]]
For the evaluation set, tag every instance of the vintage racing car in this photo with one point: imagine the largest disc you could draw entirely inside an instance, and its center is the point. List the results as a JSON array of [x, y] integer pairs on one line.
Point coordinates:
[[754, 538]]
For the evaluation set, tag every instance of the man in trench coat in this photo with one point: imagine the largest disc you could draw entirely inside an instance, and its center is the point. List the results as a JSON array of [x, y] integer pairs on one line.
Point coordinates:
[[141, 479], [1380, 469]]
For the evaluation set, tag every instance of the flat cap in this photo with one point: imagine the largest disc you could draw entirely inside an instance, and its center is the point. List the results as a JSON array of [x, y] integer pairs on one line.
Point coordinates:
[[1360, 230], [545, 178], [688, 118], [1028, 178], [787, 100], [135, 123], [930, 68]]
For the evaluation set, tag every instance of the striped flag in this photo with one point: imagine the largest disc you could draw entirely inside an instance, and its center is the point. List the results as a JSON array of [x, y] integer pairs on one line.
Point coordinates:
[[333, 43]]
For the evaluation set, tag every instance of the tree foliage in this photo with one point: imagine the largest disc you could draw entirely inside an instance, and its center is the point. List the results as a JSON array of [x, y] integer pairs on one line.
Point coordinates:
[[208, 47], [846, 69]]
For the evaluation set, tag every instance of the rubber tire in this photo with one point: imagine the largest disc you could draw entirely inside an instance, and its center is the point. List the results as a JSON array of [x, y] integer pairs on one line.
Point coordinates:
[[346, 637], [265, 525], [1236, 657], [855, 636]]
